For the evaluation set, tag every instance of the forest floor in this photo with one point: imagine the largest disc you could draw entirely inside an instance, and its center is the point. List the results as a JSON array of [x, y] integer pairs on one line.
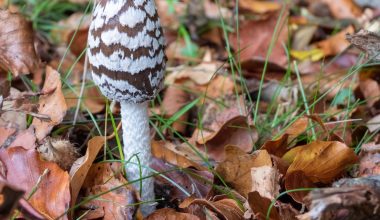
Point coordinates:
[[270, 110]]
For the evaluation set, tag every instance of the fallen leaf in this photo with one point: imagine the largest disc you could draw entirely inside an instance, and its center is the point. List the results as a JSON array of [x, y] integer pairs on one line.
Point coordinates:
[[236, 168], [229, 127], [174, 99], [297, 180], [17, 52], [259, 6], [53, 104], [266, 181], [170, 214], [224, 208], [344, 9], [255, 37], [54, 186], [336, 43], [259, 206], [182, 155], [198, 183], [323, 161], [200, 74], [82, 165], [280, 146], [116, 199]]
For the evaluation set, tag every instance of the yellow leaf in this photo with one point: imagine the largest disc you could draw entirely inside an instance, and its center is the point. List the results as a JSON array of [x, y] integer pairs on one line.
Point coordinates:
[[313, 54], [323, 161]]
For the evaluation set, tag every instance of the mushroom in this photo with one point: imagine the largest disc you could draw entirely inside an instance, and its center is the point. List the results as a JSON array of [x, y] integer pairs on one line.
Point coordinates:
[[127, 58]]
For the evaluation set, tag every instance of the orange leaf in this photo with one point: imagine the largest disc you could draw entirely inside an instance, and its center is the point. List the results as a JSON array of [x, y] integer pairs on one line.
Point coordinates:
[[82, 165], [116, 203], [323, 161], [259, 6], [24, 168], [236, 169], [181, 156], [52, 104]]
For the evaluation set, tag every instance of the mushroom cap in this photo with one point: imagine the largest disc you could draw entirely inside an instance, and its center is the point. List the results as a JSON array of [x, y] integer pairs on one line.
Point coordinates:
[[127, 50]]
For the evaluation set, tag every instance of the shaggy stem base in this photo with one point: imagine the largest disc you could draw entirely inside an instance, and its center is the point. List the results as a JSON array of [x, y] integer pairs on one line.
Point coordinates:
[[136, 141]]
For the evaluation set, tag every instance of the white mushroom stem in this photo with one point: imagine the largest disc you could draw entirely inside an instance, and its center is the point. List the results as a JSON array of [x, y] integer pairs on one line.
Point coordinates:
[[136, 141]]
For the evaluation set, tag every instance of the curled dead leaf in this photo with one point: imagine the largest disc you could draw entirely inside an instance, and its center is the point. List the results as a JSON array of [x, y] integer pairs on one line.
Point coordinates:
[[227, 128], [224, 208], [52, 104], [280, 146], [82, 165], [322, 161], [17, 52]]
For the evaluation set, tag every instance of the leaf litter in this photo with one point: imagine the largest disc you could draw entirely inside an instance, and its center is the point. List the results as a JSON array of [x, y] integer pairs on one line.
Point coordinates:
[[270, 110]]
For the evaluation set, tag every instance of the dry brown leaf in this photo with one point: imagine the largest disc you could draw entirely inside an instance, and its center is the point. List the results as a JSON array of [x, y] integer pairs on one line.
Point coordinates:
[[336, 43], [181, 156], [116, 204], [259, 206], [344, 9], [220, 86], [323, 161], [82, 165], [170, 214], [259, 6], [17, 52], [229, 127], [224, 208], [236, 169], [53, 104], [200, 74], [255, 37], [280, 146], [197, 182], [266, 181], [24, 168], [174, 99], [296, 180]]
